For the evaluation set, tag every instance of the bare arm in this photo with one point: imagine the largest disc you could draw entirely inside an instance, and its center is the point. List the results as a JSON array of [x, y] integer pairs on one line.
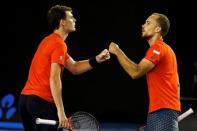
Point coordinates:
[[134, 70], [78, 67], [56, 90]]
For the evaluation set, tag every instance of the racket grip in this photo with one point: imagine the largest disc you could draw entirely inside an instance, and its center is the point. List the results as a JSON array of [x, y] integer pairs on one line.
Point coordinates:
[[45, 121], [185, 114]]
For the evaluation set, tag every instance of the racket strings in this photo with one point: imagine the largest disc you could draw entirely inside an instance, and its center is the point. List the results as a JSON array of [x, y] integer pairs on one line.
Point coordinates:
[[84, 121]]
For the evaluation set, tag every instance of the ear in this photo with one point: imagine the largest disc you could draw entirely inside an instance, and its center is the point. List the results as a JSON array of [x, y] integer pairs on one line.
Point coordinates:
[[62, 22], [158, 29]]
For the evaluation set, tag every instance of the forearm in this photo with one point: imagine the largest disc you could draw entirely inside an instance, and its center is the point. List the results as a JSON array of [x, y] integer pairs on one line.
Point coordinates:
[[78, 67], [56, 90], [129, 66], [81, 67]]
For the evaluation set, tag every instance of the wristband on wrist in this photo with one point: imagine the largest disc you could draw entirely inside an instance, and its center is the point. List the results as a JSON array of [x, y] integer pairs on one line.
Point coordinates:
[[92, 61]]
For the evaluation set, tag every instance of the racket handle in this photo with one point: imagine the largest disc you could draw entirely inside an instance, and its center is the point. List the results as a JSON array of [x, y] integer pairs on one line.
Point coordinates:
[[185, 114], [46, 121], [49, 122]]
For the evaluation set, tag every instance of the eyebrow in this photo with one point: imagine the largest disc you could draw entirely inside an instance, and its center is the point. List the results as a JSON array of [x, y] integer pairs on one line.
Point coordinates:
[[147, 20]]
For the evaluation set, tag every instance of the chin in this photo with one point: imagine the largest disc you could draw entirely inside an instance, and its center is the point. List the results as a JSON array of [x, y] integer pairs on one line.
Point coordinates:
[[72, 30], [143, 36]]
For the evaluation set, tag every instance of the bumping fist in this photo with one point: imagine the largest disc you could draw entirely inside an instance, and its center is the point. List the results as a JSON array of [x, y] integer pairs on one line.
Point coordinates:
[[113, 47], [103, 56]]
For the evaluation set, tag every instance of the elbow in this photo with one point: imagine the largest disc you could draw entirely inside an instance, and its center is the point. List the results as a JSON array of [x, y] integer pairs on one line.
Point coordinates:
[[135, 76], [53, 81]]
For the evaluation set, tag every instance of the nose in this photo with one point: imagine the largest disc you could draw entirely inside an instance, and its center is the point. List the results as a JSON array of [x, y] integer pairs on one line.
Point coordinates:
[[74, 20]]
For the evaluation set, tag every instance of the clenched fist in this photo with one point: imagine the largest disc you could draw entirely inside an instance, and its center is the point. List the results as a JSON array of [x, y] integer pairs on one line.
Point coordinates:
[[113, 47], [103, 56]]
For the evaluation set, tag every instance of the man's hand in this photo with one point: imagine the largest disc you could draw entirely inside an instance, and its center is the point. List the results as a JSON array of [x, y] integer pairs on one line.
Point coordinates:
[[113, 47], [103, 56], [63, 120]]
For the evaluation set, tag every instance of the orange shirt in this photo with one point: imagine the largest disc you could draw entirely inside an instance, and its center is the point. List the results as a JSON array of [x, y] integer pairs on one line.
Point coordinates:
[[163, 78], [52, 49]]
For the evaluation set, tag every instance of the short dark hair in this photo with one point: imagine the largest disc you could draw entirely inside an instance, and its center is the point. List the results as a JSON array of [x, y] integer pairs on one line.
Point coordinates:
[[55, 14], [163, 22]]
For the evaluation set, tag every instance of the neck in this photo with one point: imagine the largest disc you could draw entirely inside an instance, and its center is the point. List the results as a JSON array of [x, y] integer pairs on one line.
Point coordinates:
[[151, 41], [62, 33]]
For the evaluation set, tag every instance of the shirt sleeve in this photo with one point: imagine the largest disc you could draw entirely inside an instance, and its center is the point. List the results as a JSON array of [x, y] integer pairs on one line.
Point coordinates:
[[59, 55], [153, 54]]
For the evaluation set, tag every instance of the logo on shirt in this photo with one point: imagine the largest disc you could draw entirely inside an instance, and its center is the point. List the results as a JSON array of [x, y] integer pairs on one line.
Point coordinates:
[[61, 57], [155, 55], [156, 52]]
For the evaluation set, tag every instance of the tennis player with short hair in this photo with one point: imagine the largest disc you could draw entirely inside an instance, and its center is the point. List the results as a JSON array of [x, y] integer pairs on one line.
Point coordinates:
[[160, 67], [42, 94]]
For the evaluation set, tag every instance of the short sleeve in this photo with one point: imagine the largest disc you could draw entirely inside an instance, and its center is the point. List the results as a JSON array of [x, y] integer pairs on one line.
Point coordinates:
[[153, 54], [59, 55]]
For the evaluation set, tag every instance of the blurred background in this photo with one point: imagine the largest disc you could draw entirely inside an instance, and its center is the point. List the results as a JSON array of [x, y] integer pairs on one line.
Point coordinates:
[[107, 91]]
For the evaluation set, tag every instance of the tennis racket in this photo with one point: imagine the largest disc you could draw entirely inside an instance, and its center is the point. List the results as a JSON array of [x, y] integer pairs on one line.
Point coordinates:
[[79, 121]]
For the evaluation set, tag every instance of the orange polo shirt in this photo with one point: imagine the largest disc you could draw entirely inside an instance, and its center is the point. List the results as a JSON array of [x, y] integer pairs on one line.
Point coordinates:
[[163, 78], [52, 49]]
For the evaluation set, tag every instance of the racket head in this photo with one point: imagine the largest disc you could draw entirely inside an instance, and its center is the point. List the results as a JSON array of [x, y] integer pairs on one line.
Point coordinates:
[[83, 121]]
